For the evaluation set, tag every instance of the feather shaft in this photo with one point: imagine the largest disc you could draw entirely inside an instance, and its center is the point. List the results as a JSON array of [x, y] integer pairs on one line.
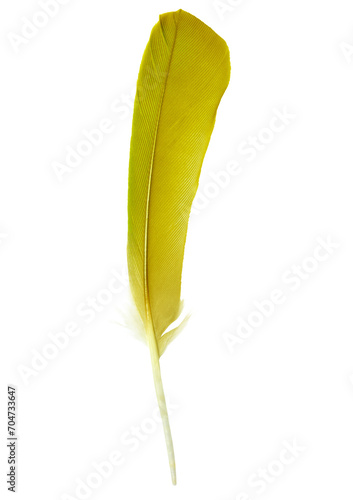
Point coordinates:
[[157, 378]]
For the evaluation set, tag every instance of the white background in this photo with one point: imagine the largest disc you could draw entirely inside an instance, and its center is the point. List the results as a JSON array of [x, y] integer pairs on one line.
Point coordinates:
[[235, 404]]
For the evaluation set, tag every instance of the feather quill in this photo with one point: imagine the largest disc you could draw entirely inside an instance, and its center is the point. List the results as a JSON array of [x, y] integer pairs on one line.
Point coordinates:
[[184, 72]]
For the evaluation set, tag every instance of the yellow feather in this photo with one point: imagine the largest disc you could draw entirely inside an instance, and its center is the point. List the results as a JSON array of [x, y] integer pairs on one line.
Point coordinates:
[[184, 72]]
